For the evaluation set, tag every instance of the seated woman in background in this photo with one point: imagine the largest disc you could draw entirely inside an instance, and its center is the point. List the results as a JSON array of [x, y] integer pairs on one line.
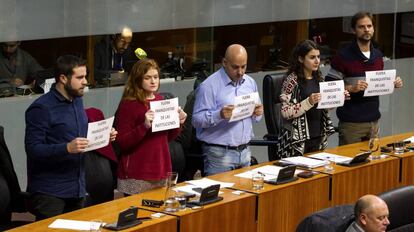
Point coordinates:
[[308, 127], [145, 157]]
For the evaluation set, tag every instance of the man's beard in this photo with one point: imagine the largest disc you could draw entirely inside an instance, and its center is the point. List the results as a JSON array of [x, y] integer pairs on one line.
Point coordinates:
[[364, 40], [71, 91]]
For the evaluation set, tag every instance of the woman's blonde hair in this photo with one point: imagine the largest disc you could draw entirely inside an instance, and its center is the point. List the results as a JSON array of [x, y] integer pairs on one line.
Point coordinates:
[[133, 88]]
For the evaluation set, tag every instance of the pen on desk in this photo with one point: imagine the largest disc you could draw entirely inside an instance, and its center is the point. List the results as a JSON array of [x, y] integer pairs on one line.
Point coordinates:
[[261, 173]]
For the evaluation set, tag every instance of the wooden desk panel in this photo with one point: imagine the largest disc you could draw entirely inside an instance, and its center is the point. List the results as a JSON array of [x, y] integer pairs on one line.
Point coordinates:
[[350, 183], [233, 213], [407, 159], [348, 186], [282, 207], [107, 212]]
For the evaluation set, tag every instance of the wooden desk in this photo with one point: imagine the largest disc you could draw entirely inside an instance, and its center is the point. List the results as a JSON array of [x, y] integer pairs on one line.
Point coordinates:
[[234, 213], [282, 207], [407, 159], [107, 212], [350, 183]]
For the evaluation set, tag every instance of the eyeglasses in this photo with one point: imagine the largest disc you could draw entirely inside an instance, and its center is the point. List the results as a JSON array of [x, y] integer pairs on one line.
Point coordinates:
[[152, 203]]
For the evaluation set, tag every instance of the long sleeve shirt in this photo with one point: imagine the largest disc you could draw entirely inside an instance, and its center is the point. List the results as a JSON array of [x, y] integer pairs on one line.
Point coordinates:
[[52, 121], [212, 95], [144, 154]]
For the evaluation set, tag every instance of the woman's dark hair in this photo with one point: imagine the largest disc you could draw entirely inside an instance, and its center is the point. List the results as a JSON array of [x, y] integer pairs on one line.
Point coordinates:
[[296, 67]]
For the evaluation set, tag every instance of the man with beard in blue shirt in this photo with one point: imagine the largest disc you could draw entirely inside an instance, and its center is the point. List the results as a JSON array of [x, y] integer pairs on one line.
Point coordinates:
[[56, 127]]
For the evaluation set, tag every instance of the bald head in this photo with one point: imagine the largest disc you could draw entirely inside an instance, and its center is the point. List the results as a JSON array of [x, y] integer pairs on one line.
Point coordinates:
[[371, 213], [122, 40], [235, 62]]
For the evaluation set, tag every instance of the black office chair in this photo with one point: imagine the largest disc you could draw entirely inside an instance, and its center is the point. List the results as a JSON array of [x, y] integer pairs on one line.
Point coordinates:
[[333, 219], [400, 204], [12, 198], [176, 150], [276, 137], [100, 178]]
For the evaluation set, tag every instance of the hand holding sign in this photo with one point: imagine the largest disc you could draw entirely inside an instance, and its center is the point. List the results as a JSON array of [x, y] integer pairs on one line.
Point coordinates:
[[226, 112]]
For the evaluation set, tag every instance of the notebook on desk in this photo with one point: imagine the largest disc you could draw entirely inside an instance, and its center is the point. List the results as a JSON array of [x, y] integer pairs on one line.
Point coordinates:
[[360, 158]]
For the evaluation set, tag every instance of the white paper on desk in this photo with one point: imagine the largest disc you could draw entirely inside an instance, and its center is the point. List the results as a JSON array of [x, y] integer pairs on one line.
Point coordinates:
[[269, 172], [165, 114], [332, 157], [205, 182], [73, 224], [304, 161], [187, 189], [244, 106], [380, 82], [411, 139], [99, 133], [332, 94]]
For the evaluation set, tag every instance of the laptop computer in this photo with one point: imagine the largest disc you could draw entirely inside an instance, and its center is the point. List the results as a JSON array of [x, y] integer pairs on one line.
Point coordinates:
[[207, 195], [286, 175], [360, 158]]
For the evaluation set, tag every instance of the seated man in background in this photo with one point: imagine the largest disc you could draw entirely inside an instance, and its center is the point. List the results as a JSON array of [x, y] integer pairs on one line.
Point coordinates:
[[113, 54], [16, 65], [371, 215]]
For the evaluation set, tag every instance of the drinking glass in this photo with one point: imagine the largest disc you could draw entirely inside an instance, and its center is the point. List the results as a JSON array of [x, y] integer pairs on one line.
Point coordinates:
[[171, 202], [399, 147], [258, 181]]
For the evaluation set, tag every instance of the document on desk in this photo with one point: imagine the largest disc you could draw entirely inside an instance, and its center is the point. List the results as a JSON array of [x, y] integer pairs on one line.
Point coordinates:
[[269, 172], [411, 139], [304, 161], [205, 182], [244, 106], [98, 133], [73, 224], [165, 114], [332, 157]]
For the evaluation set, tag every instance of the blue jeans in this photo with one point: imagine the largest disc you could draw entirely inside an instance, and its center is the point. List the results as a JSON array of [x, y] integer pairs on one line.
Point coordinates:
[[220, 159]]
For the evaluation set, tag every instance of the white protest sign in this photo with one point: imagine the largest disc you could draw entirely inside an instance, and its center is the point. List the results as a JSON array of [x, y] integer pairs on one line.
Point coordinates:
[[380, 82], [332, 94], [244, 106], [98, 133], [165, 114]]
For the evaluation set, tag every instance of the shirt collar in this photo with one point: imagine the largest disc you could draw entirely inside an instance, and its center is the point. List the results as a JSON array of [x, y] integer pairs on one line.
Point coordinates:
[[357, 227], [58, 95], [227, 80]]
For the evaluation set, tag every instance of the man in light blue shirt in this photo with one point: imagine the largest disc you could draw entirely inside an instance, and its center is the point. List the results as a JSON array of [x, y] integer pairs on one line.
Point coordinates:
[[225, 144]]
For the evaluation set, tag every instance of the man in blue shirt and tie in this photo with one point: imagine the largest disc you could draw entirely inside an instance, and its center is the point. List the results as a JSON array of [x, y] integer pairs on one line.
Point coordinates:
[[225, 144]]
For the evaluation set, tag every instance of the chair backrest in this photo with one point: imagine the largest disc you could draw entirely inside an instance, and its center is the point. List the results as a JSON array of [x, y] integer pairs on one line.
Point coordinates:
[[272, 87], [332, 219], [7, 169], [400, 203]]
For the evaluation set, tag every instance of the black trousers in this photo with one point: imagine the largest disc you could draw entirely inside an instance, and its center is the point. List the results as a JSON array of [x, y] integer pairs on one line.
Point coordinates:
[[45, 206]]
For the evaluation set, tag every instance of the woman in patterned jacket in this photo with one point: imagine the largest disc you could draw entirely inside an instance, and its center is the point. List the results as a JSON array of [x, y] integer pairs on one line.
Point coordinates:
[[308, 127]]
